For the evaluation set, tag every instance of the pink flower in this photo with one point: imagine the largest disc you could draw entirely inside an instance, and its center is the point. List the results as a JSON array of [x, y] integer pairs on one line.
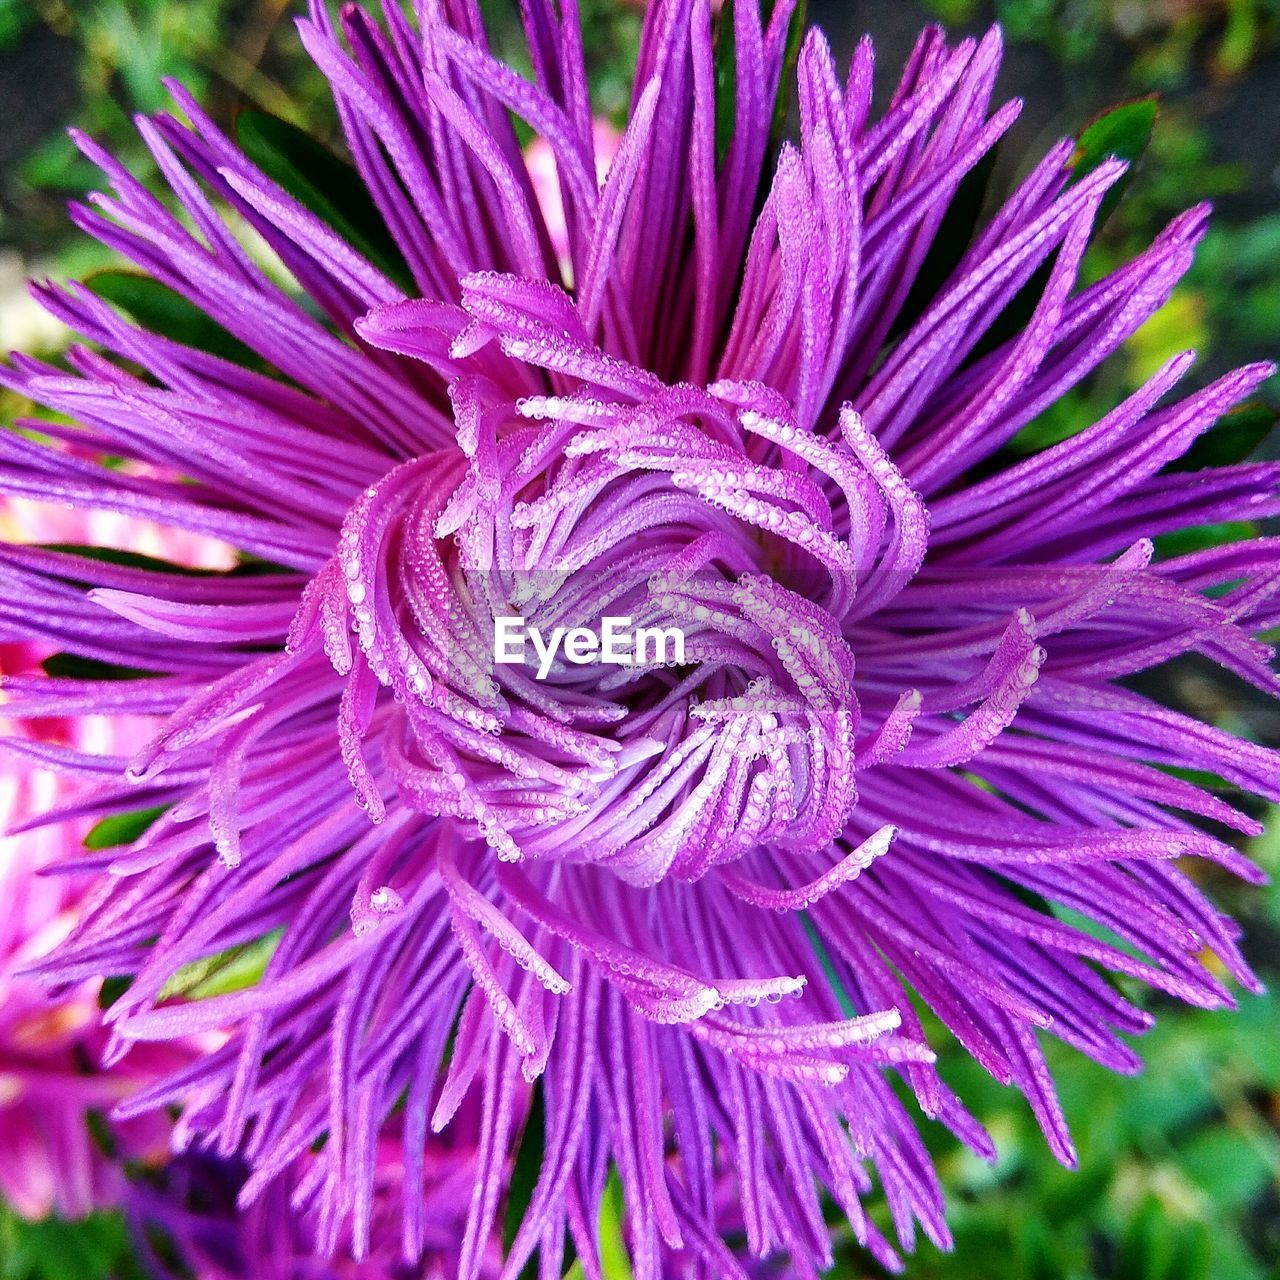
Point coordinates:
[[57, 1153], [192, 1206], [540, 159]]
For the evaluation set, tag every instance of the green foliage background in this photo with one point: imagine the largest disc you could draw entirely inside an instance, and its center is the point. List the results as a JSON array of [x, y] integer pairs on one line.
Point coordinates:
[[1180, 1168]]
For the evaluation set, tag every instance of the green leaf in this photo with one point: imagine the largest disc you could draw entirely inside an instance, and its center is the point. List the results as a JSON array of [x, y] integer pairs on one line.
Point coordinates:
[[1227, 1165], [15, 17], [1181, 324], [725, 64], [121, 828], [234, 969], [248, 566], [71, 666], [527, 1167], [1028, 897], [125, 559], [112, 989], [1123, 131], [524, 1179], [524, 1176], [1203, 537], [326, 185], [1065, 417], [156, 307], [100, 1133], [98, 1247], [790, 59], [1235, 436], [615, 1262]]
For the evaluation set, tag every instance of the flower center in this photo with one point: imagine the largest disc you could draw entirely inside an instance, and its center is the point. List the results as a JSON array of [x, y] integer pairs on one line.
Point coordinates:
[[565, 515]]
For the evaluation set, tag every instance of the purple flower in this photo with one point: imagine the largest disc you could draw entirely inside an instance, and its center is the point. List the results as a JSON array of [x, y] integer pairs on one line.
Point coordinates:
[[899, 739], [186, 1221], [58, 1153]]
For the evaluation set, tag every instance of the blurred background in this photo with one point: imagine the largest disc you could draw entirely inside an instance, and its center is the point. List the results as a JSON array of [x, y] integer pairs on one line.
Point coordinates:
[[1180, 1171]]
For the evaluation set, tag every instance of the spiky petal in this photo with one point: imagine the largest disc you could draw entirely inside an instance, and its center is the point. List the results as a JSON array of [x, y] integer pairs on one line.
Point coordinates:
[[690, 902]]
